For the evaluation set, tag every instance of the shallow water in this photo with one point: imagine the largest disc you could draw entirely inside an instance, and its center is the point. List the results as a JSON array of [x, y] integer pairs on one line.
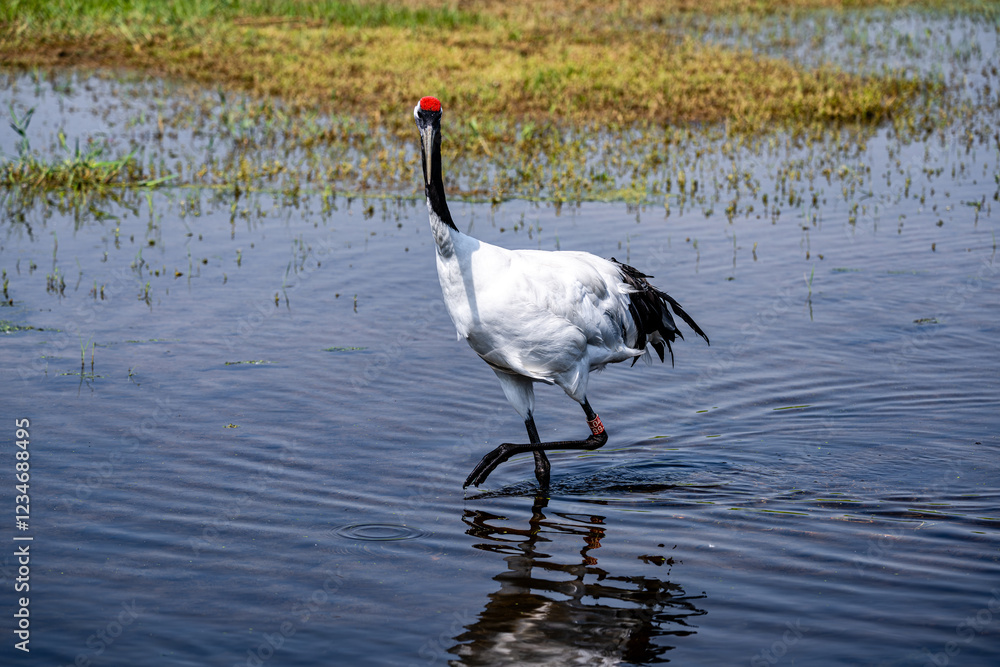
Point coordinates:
[[260, 458], [819, 485]]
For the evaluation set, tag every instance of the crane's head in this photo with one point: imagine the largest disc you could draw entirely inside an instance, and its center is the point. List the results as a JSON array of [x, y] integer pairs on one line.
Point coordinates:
[[427, 106], [427, 115]]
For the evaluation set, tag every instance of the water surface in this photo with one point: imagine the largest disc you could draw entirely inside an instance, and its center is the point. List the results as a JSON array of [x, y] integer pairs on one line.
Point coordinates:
[[260, 457]]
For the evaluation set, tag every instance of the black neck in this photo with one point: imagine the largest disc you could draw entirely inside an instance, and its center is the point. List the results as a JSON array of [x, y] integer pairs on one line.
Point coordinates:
[[434, 185]]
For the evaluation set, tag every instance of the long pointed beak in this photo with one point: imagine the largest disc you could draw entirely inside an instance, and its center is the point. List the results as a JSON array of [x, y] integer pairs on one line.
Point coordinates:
[[427, 143]]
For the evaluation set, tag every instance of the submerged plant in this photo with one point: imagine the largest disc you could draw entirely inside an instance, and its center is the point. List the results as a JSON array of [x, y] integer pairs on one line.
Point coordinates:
[[81, 171]]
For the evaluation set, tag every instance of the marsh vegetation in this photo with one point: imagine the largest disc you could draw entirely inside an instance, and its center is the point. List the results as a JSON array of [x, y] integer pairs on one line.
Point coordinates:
[[564, 102]]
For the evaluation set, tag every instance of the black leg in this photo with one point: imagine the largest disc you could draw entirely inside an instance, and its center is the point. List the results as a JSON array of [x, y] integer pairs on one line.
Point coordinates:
[[502, 453], [542, 466]]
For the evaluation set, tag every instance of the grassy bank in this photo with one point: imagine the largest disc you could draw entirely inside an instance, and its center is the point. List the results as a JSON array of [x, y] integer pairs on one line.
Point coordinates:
[[528, 86], [573, 62]]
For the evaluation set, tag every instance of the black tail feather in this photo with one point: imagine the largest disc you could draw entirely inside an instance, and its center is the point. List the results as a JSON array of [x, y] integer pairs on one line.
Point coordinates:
[[684, 316], [648, 307]]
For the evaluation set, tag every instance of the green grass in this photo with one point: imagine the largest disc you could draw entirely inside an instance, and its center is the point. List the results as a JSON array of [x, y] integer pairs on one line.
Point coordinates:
[[81, 169], [7, 327], [82, 16], [564, 101], [581, 63]]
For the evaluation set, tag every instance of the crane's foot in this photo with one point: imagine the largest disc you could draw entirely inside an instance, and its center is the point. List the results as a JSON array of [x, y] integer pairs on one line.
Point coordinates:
[[502, 453], [542, 469]]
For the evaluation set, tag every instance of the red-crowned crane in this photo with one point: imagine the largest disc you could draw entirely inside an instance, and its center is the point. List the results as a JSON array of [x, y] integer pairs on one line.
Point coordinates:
[[538, 315]]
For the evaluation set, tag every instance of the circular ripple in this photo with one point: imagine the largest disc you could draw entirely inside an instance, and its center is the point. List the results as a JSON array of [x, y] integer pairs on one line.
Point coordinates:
[[379, 532]]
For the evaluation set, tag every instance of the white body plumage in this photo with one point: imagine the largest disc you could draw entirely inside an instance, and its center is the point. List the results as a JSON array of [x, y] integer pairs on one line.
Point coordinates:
[[545, 316]]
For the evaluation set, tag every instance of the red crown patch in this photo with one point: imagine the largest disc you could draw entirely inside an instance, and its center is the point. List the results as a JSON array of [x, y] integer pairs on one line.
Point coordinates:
[[430, 104]]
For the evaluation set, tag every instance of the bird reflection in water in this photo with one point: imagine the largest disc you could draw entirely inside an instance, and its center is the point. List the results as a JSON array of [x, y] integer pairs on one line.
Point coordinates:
[[578, 613]]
